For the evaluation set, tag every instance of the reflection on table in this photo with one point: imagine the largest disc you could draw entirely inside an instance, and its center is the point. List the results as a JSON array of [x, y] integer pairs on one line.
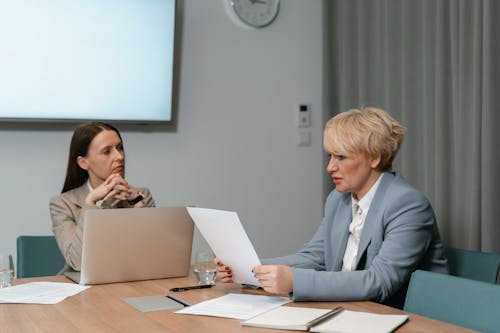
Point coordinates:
[[101, 309]]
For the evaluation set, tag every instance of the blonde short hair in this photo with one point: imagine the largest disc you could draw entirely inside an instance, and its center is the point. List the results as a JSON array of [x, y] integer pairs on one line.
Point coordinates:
[[369, 131]]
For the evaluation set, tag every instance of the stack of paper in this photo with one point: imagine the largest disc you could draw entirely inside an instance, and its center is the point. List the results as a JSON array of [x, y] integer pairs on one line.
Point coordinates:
[[238, 306], [40, 292]]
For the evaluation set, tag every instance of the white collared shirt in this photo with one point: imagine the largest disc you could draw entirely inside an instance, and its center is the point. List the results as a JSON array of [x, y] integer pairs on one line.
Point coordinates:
[[359, 211]]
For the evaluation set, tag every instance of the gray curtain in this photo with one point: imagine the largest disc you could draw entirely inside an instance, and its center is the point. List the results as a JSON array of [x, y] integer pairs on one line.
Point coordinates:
[[435, 66]]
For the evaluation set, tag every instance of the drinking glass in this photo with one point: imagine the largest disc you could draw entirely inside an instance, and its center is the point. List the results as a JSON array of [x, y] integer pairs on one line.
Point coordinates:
[[204, 267], [6, 270]]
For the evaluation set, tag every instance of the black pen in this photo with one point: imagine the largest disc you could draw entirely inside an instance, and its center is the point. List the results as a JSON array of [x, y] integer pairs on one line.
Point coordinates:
[[180, 301], [201, 286]]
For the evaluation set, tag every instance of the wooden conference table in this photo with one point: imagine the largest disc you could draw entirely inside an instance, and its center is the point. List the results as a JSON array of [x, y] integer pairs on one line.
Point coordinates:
[[100, 309]]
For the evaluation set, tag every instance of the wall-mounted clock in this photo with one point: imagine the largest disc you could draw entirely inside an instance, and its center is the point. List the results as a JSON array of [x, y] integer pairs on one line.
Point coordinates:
[[255, 13]]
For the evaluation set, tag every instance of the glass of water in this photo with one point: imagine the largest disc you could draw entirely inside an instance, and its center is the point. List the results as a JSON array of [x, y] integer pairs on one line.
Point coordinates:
[[6, 270], [204, 267]]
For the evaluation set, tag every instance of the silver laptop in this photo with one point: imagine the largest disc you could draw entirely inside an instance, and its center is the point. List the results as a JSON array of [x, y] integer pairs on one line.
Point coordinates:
[[135, 244]]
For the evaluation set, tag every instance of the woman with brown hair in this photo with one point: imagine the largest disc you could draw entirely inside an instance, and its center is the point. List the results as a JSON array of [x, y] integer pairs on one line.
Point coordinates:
[[95, 179]]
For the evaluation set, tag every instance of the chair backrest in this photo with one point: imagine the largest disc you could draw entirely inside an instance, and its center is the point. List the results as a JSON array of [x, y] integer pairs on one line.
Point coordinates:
[[464, 302], [475, 265], [38, 256]]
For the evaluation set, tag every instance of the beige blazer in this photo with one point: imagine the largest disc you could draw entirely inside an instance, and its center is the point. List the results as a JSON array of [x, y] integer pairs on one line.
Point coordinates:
[[67, 211]]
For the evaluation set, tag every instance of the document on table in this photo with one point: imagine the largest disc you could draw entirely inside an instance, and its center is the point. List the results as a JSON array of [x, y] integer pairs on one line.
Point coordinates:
[[40, 292], [227, 238], [238, 306]]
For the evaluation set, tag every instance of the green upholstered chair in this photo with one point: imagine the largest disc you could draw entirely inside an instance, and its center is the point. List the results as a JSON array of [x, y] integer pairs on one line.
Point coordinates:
[[475, 265], [38, 256], [464, 302]]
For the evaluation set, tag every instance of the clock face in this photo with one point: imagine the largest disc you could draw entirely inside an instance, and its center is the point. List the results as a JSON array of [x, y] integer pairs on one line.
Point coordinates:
[[256, 13]]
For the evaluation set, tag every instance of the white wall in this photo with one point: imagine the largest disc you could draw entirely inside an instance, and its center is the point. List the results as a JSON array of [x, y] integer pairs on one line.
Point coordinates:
[[235, 143]]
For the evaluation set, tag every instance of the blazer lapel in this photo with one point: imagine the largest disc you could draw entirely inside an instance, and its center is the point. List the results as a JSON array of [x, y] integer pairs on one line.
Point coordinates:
[[81, 194], [373, 216], [340, 232]]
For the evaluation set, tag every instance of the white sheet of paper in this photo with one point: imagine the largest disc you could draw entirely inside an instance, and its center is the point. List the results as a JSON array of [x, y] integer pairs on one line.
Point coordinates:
[[40, 292], [227, 238], [238, 306]]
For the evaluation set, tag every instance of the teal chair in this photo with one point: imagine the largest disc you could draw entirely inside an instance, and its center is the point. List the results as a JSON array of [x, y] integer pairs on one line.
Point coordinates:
[[475, 265], [38, 256], [464, 302]]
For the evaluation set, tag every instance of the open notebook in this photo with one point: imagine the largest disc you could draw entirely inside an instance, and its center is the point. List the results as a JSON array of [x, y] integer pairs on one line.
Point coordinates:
[[326, 320], [130, 244]]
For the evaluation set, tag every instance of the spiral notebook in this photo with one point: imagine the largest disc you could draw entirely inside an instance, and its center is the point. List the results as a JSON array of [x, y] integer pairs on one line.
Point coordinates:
[[335, 320]]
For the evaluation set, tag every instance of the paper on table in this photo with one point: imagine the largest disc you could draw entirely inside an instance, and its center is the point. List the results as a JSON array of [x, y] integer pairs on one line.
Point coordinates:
[[238, 306], [227, 238], [40, 292]]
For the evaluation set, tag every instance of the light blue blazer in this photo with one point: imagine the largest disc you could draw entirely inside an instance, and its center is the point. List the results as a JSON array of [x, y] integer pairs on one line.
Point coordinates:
[[400, 235]]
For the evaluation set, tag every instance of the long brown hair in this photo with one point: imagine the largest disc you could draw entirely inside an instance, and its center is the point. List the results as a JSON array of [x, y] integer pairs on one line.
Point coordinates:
[[80, 142]]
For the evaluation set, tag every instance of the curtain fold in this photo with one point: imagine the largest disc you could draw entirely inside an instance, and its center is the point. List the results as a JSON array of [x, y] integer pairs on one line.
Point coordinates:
[[434, 65]]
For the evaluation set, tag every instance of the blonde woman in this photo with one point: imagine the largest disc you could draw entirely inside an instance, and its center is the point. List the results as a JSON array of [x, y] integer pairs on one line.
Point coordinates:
[[377, 229]]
